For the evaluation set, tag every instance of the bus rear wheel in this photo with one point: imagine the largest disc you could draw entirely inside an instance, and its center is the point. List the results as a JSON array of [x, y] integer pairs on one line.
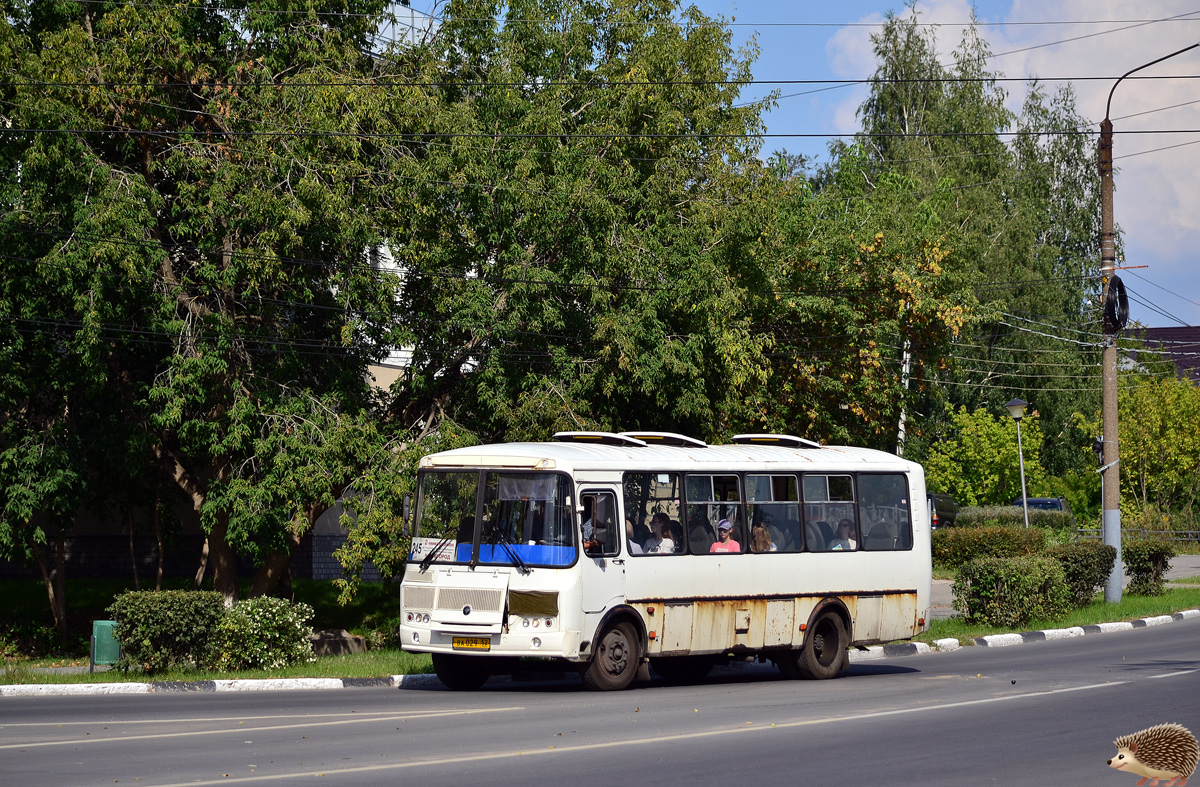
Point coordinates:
[[824, 648], [461, 673], [615, 661]]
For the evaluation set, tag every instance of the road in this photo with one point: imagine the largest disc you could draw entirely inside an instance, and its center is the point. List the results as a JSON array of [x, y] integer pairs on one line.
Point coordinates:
[[1038, 713]]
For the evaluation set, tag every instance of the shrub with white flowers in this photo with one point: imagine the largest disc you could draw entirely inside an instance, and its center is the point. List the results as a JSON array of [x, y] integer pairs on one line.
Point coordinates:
[[263, 633]]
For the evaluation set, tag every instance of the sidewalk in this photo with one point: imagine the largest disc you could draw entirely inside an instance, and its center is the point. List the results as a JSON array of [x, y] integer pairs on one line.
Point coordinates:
[[942, 600]]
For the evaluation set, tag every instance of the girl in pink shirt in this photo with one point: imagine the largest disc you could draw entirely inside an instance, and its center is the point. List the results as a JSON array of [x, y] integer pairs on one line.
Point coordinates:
[[725, 542]]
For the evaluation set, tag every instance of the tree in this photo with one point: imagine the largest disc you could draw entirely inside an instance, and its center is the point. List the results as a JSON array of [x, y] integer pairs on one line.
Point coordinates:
[[1020, 218], [978, 462], [565, 237], [195, 227], [1160, 419]]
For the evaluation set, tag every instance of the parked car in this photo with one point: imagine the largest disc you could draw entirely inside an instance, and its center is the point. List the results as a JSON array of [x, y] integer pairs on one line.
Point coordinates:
[[943, 509], [1046, 503]]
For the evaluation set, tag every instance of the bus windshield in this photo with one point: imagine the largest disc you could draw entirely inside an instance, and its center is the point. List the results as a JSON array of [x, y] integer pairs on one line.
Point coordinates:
[[526, 519]]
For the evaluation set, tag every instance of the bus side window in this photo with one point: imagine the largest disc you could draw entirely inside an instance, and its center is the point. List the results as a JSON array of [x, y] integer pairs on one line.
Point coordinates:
[[601, 537], [884, 503]]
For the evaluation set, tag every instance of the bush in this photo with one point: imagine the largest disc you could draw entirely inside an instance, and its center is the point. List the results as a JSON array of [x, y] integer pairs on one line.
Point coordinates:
[[1145, 563], [1087, 565], [1012, 591], [1014, 516], [955, 546], [160, 629], [263, 633]]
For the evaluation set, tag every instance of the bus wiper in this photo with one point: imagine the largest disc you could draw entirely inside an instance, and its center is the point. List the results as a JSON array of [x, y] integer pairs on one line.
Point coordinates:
[[427, 561], [500, 535]]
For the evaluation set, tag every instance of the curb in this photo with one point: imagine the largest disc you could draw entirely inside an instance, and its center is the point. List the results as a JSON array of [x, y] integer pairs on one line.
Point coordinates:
[[1005, 640], [421, 681]]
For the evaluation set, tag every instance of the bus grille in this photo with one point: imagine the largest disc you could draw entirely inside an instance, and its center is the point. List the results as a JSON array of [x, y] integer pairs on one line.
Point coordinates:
[[481, 599], [418, 597]]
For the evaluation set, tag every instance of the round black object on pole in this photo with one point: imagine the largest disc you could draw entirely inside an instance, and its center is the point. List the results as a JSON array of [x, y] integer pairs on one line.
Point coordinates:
[[1116, 306]]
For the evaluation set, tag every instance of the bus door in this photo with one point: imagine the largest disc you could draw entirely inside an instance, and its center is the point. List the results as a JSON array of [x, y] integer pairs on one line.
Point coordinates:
[[602, 562]]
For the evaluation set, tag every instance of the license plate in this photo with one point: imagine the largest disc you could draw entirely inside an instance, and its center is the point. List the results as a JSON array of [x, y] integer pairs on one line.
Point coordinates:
[[472, 643]]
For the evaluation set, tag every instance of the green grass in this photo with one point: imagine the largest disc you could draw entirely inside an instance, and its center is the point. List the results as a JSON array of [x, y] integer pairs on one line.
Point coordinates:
[[1130, 608], [1186, 581], [373, 664]]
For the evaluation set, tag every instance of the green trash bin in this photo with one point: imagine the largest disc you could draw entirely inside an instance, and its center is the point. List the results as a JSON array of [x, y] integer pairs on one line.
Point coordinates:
[[106, 649]]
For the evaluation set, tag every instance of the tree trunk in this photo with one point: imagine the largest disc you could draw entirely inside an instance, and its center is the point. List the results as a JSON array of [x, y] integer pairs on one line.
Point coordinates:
[[54, 582], [158, 539], [137, 583], [203, 565], [225, 565], [274, 569]]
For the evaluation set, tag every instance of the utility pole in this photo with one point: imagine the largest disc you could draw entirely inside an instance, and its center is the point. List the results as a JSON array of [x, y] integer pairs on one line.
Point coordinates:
[[1111, 470]]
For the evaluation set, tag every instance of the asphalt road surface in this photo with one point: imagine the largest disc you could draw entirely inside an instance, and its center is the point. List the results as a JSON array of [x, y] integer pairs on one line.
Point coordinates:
[[1037, 713]]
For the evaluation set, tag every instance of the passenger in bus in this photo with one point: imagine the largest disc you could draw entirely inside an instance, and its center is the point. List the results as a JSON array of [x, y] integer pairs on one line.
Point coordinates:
[[760, 539], [674, 531], [700, 533], [725, 542], [659, 541], [844, 538], [635, 548]]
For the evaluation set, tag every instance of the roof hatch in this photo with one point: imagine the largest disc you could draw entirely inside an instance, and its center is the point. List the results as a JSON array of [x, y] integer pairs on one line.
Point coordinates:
[[784, 440], [599, 438], [666, 438]]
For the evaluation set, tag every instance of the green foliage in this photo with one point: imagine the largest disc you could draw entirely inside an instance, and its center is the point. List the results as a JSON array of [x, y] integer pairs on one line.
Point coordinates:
[[1160, 456], [977, 461], [954, 546], [262, 633], [1145, 563], [1086, 565], [161, 629], [1014, 516], [1011, 591]]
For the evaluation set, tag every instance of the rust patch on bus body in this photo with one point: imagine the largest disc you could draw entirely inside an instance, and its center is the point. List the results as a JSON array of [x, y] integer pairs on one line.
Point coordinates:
[[752, 624]]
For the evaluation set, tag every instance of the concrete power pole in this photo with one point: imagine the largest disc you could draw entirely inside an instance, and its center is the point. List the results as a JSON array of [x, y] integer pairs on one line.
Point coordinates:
[[1111, 470]]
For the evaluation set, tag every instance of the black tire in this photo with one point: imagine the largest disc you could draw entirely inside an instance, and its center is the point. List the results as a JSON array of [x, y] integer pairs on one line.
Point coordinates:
[[461, 673], [682, 669], [615, 662], [824, 649]]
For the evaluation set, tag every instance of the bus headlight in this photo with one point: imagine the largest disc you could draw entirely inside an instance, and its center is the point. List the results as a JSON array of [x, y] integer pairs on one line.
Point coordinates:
[[525, 623], [536, 642], [416, 638]]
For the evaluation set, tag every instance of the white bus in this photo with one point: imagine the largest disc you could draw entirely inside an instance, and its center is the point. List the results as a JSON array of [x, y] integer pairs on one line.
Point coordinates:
[[605, 551]]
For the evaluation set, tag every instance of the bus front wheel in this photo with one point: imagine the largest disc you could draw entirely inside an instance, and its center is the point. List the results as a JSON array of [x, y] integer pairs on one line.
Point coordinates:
[[615, 661], [460, 673]]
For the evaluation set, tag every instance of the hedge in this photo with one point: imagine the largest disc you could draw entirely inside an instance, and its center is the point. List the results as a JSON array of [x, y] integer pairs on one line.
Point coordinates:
[[160, 629], [263, 633], [1012, 591], [953, 546], [1014, 516], [1086, 565], [1145, 563]]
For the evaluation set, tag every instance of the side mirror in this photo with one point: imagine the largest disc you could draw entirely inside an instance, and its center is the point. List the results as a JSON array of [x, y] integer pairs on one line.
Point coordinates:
[[406, 515]]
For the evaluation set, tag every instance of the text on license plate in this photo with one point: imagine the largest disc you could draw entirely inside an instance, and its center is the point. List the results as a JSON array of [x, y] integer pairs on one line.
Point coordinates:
[[472, 643]]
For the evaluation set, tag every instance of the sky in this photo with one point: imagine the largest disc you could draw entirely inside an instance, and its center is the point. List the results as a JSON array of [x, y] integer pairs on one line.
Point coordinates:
[[1157, 194]]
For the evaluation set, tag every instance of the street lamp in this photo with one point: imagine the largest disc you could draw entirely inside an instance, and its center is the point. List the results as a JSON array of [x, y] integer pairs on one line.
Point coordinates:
[[1016, 408], [1110, 521]]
